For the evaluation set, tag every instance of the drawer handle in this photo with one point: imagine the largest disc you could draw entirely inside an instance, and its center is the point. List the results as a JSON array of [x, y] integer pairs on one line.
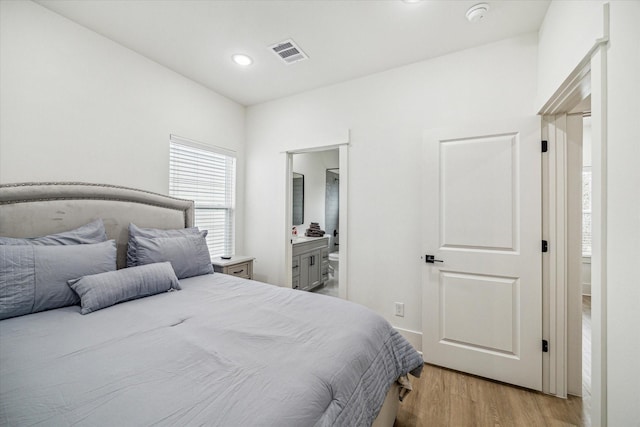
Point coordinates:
[[239, 271]]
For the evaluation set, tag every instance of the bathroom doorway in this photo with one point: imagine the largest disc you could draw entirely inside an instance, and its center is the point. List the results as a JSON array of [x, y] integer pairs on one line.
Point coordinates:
[[324, 172], [314, 234]]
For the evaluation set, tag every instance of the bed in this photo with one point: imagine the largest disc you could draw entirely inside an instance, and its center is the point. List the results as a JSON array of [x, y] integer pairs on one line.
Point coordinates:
[[220, 351]]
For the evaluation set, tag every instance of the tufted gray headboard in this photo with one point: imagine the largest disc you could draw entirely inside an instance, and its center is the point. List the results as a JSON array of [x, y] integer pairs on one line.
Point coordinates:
[[36, 209]]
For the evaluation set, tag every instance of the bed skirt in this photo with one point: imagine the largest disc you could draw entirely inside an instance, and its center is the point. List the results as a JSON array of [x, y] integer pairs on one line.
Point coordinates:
[[387, 415]]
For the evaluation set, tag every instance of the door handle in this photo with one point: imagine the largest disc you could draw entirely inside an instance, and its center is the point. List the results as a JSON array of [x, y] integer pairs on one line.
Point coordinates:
[[430, 259]]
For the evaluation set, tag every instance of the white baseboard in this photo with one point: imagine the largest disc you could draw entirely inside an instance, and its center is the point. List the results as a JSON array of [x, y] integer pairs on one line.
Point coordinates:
[[414, 337]]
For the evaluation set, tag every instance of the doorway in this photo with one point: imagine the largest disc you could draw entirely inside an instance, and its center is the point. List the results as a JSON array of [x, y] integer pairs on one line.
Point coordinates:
[[566, 219], [575, 364], [318, 166]]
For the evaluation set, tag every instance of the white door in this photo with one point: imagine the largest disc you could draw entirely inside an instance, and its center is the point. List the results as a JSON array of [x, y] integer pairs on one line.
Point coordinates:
[[482, 305]]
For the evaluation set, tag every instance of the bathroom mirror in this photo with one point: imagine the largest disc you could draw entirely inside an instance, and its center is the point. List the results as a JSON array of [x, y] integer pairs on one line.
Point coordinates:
[[298, 198]]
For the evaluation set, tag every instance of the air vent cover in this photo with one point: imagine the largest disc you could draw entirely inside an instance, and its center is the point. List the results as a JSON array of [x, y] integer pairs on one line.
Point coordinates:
[[288, 51]]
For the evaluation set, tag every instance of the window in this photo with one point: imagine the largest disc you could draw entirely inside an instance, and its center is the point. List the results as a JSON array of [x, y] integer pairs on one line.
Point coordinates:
[[206, 175], [586, 211]]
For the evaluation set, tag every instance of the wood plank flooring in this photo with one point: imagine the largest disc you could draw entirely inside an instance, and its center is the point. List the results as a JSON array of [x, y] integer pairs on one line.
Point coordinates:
[[446, 398]]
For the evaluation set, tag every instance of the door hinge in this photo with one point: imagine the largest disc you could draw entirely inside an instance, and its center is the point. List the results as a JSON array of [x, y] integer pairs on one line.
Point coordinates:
[[545, 346], [545, 246], [545, 146]]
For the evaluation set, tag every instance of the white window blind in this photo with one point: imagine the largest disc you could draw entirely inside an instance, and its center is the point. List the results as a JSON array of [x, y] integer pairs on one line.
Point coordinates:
[[206, 175]]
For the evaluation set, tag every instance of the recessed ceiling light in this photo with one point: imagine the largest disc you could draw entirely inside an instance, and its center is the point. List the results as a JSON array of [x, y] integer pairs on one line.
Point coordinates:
[[478, 12], [242, 59]]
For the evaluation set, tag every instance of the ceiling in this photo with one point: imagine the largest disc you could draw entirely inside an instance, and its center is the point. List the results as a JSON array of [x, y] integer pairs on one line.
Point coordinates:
[[344, 39]]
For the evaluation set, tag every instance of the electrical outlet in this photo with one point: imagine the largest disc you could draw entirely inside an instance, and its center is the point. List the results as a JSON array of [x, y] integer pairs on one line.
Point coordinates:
[[400, 309]]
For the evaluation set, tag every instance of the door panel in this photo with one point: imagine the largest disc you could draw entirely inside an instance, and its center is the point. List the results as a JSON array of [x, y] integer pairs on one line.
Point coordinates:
[[482, 306], [310, 273], [305, 267], [474, 170], [315, 269], [490, 301]]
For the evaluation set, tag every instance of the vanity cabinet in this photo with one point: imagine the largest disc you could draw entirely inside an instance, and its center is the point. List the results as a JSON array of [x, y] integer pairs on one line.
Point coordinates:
[[310, 263]]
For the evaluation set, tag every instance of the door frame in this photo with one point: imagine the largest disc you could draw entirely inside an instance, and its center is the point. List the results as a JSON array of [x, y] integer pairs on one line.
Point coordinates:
[[562, 305], [343, 150], [589, 76]]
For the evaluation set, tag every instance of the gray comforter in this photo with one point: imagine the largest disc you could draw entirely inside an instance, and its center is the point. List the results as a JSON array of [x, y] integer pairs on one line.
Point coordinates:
[[223, 351]]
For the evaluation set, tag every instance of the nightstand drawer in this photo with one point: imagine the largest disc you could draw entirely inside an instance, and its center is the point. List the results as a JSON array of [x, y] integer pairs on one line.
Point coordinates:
[[239, 266], [240, 270]]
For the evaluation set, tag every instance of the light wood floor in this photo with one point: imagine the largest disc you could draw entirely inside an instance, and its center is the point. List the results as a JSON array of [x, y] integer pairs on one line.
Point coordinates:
[[442, 397]]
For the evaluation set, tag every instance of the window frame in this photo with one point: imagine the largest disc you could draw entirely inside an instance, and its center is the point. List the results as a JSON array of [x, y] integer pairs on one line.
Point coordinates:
[[229, 172]]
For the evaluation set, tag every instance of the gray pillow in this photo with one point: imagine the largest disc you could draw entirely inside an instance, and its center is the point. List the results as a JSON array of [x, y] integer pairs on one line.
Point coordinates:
[[17, 280], [150, 233], [188, 255], [90, 233], [34, 278], [103, 290]]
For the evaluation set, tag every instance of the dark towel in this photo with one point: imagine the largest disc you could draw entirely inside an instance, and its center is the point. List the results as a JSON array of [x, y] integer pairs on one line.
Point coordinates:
[[314, 233]]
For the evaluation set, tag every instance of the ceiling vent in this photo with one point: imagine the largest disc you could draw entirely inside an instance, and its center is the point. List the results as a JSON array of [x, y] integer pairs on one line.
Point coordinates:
[[288, 51]]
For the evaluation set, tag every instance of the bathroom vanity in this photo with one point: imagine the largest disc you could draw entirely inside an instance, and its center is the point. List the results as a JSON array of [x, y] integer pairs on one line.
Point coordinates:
[[310, 263]]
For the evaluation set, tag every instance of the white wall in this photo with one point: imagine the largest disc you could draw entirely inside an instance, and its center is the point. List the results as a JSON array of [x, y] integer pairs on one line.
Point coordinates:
[[314, 167], [387, 114], [76, 106], [568, 32], [623, 210]]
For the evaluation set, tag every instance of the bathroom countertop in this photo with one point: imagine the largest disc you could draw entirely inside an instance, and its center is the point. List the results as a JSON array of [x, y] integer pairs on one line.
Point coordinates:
[[302, 239]]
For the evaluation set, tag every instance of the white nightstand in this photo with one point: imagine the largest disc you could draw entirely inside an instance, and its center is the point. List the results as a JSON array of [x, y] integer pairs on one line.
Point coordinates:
[[240, 266]]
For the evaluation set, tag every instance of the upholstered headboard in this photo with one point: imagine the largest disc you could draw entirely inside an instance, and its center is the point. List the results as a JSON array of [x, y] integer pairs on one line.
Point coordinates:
[[37, 209]]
